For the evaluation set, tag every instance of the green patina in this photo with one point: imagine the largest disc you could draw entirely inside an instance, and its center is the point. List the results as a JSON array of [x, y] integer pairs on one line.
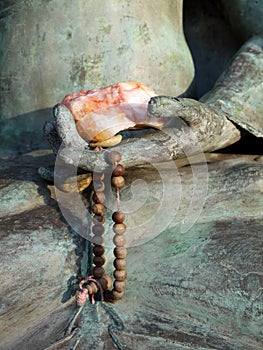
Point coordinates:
[[86, 70], [122, 49], [142, 34]]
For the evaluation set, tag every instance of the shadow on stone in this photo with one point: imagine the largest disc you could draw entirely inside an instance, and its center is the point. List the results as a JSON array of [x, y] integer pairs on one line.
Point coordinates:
[[23, 133]]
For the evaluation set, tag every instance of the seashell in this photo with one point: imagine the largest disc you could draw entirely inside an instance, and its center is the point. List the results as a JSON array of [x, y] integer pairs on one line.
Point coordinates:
[[113, 141], [100, 114]]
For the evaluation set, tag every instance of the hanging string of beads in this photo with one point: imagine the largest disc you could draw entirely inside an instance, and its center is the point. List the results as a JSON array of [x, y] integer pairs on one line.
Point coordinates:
[[120, 252], [99, 281]]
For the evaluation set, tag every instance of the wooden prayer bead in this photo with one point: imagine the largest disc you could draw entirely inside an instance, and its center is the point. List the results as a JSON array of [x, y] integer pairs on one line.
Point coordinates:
[[98, 229], [98, 250], [117, 295], [113, 157], [120, 252], [99, 186], [98, 177], [119, 264], [97, 240], [98, 219], [92, 288], [108, 279], [98, 197], [119, 229], [99, 260], [119, 286], [119, 240], [118, 181], [120, 275], [105, 282], [98, 209], [118, 217], [98, 271], [118, 170]]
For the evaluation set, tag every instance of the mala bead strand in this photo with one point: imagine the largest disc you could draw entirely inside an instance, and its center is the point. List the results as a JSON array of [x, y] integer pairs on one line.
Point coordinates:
[[119, 228], [98, 231], [99, 281], [98, 228]]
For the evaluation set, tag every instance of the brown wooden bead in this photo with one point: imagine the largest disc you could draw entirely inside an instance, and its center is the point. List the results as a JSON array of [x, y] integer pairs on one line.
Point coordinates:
[[97, 240], [108, 279], [119, 286], [98, 229], [108, 296], [120, 275], [117, 295], [98, 250], [98, 197], [99, 260], [118, 170], [111, 297], [89, 288], [98, 177], [118, 217], [119, 264], [98, 271], [112, 157], [105, 281], [98, 209], [118, 181], [120, 252], [92, 288], [119, 229], [119, 240], [98, 219], [99, 186]]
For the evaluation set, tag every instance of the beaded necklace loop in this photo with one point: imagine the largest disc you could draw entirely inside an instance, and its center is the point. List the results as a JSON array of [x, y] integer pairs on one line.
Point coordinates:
[[100, 281]]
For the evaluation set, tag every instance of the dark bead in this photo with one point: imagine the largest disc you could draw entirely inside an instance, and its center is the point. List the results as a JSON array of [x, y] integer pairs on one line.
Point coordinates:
[[112, 157], [98, 250], [118, 170], [119, 229], [120, 252], [119, 240], [98, 209], [98, 271], [98, 197], [118, 217], [98, 219], [98, 229], [117, 295], [120, 275], [119, 264], [105, 282], [118, 181], [119, 286], [99, 260]]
